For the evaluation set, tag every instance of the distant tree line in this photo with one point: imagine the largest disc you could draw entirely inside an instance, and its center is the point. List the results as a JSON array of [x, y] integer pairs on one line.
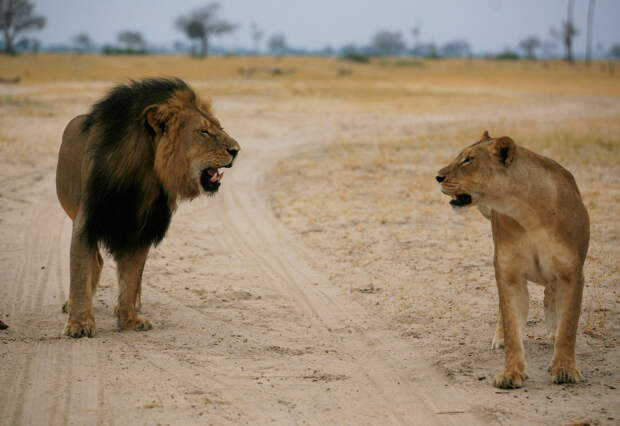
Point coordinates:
[[201, 25]]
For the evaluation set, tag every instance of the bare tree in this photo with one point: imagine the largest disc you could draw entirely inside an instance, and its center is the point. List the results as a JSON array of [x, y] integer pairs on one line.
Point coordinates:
[[529, 45], [257, 35], [277, 43], [415, 33], [589, 33], [17, 16], [82, 42], [132, 40], [388, 42], [203, 23], [566, 32]]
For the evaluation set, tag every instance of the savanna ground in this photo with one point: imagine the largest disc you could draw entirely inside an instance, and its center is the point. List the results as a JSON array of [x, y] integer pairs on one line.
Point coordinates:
[[329, 281]]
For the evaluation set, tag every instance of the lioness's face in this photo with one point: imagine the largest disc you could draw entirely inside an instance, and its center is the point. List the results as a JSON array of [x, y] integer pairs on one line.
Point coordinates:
[[476, 173], [208, 149]]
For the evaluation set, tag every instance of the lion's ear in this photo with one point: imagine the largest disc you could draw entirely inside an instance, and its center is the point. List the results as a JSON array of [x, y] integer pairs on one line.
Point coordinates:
[[485, 136], [153, 121], [503, 149]]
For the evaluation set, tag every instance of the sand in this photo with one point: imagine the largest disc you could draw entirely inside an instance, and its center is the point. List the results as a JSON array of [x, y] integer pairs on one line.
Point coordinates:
[[320, 286]]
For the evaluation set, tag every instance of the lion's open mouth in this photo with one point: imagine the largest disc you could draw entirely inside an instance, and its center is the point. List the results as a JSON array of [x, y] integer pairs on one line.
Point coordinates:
[[210, 179], [460, 200]]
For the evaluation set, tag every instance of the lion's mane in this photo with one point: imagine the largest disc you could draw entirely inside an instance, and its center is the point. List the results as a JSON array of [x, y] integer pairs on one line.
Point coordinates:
[[127, 206]]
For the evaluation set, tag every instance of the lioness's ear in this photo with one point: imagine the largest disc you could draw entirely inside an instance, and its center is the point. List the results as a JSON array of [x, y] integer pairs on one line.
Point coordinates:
[[153, 121], [485, 136], [503, 149]]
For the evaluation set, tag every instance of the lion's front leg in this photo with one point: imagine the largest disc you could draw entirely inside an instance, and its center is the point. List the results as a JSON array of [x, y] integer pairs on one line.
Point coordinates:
[[130, 267], [513, 299], [84, 269]]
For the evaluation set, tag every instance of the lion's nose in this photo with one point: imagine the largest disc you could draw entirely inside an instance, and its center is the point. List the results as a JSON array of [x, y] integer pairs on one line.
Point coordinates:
[[233, 152], [440, 178]]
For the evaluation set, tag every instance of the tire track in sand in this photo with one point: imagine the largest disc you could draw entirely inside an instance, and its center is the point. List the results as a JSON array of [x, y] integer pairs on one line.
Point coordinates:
[[55, 380], [407, 397]]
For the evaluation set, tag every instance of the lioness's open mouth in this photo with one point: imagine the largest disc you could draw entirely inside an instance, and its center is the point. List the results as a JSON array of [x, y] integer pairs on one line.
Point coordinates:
[[460, 200], [210, 179]]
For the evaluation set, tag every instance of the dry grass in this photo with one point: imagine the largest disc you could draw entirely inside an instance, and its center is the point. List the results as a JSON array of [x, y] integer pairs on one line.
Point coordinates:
[[381, 79]]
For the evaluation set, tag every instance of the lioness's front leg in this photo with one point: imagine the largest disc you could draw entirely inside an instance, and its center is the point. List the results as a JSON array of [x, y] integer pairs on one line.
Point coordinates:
[[568, 301], [550, 307], [130, 267], [513, 301], [84, 269]]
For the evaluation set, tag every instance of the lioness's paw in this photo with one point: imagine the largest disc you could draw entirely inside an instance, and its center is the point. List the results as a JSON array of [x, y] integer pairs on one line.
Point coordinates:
[[66, 306], [137, 324], [80, 328], [509, 379], [565, 374]]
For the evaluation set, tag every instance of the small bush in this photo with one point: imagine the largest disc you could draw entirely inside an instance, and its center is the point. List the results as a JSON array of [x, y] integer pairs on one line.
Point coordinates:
[[355, 57], [113, 50], [508, 55]]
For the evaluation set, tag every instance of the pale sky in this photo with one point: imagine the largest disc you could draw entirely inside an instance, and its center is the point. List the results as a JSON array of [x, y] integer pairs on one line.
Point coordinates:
[[489, 25]]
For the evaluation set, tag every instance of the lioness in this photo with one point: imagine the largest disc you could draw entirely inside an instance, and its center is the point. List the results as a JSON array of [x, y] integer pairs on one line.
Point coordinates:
[[541, 232], [122, 169]]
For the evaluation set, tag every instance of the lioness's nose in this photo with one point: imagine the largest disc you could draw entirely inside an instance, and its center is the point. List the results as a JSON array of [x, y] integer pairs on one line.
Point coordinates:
[[440, 178], [233, 152]]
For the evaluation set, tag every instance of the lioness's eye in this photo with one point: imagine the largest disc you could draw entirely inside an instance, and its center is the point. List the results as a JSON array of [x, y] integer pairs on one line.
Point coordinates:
[[467, 160]]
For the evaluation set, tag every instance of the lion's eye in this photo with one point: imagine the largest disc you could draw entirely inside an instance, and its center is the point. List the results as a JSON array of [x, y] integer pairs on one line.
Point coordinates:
[[206, 132]]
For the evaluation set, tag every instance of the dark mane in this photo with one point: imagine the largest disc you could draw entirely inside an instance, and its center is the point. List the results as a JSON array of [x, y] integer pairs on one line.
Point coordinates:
[[119, 109], [126, 205]]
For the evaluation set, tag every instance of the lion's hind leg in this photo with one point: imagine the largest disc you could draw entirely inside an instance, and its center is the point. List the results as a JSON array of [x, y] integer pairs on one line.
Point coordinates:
[[130, 267]]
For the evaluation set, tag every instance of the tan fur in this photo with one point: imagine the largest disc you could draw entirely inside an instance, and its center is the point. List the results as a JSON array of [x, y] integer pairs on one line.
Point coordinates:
[[541, 233], [173, 157]]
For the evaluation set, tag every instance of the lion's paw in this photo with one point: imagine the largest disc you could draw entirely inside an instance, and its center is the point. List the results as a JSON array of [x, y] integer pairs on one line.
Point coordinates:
[[66, 306], [509, 379], [565, 374], [137, 324], [80, 328]]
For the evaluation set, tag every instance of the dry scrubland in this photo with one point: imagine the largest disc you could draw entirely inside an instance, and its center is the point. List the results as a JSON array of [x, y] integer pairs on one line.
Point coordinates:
[[357, 190]]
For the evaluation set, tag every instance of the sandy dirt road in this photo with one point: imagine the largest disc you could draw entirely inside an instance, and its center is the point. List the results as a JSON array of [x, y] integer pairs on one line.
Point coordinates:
[[246, 331]]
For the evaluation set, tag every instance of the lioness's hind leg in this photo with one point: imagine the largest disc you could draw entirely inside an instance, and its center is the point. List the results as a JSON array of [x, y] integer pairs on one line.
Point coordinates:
[[550, 305], [130, 268]]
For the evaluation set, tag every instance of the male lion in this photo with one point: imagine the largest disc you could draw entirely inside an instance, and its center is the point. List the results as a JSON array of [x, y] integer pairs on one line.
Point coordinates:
[[541, 232], [122, 169]]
